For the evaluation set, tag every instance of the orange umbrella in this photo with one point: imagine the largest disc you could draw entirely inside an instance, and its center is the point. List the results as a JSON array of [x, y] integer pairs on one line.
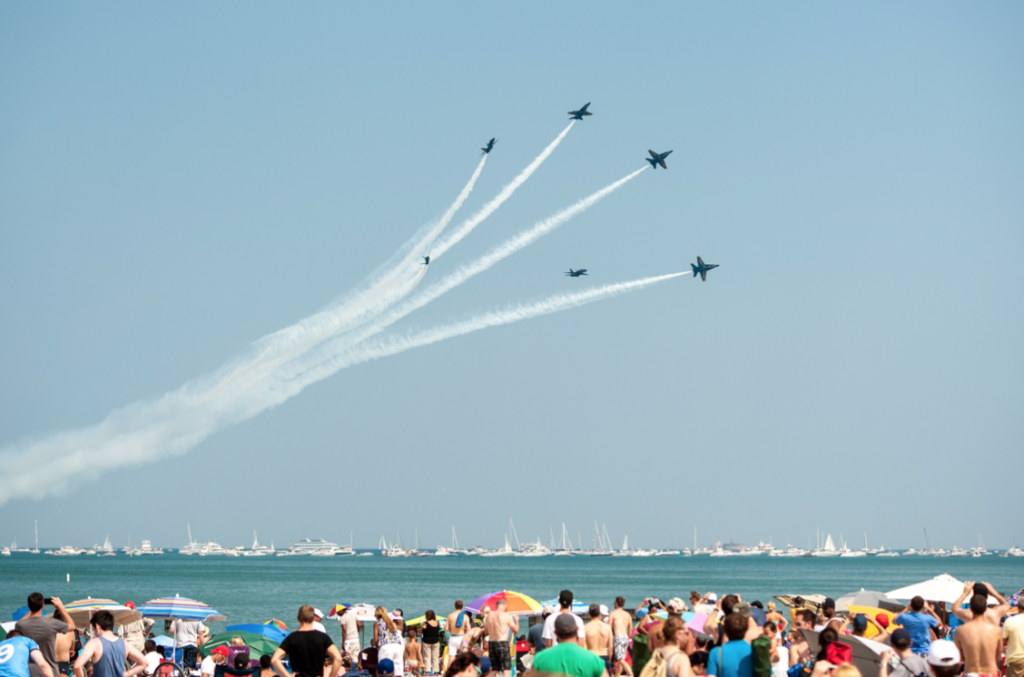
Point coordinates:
[[518, 603]]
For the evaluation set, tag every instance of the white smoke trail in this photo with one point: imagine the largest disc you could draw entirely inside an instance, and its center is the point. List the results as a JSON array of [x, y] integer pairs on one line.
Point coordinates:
[[465, 228], [389, 284], [386, 346], [502, 251], [132, 436]]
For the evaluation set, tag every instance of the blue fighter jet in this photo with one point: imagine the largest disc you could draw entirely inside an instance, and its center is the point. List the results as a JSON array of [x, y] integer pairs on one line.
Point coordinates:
[[490, 146], [578, 114], [426, 260], [577, 273], [658, 158], [702, 268]]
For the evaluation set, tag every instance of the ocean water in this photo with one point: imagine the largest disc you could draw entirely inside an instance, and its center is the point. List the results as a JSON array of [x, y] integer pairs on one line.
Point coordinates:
[[254, 589]]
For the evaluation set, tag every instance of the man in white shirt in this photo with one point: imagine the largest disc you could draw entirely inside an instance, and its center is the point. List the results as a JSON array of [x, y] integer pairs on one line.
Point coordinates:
[[317, 625], [186, 635], [565, 602], [349, 635]]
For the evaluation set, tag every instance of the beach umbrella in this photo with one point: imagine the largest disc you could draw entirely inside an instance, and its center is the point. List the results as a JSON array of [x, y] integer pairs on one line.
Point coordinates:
[[942, 588], [163, 640], [19, 614], [259, 645], [276, 623], [179, 607], [865, 654], [873, 613], [364, 613], [518, 603], [696, 623], [269, 631], [82, 610], [416, 622], [578, 608], [871, 598]]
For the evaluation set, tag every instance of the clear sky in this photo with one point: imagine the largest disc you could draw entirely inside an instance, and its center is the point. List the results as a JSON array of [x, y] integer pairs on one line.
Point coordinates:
[[177, 181]]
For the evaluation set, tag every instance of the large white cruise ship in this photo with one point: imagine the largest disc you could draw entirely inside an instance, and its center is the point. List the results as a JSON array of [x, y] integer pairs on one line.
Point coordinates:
[[308, 547]]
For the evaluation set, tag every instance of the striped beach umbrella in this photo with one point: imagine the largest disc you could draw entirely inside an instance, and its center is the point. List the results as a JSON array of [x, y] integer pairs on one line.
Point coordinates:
[[276, 623], [518, 603], [81, 611], [180, 607]]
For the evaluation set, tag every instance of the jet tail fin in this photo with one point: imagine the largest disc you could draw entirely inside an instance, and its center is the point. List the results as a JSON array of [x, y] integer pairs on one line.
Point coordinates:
[[694, 269]]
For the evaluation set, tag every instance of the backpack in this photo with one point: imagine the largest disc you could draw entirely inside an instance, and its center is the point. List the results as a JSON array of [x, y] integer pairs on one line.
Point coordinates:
[[761, 648], [657, 666]]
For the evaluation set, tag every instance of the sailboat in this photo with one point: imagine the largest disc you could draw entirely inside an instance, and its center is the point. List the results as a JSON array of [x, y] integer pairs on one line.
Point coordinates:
[[507, 551], [566, 549], [829, 550], [257, 550]]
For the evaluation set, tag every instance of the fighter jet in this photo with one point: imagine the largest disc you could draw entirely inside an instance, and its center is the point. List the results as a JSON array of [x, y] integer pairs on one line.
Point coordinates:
[[578, 114], [702, 268], [577, 273], [426, 260], [490, 146], [658, 158]]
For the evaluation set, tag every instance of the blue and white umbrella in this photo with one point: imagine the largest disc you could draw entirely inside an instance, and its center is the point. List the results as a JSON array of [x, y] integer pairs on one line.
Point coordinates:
[[180, 607]]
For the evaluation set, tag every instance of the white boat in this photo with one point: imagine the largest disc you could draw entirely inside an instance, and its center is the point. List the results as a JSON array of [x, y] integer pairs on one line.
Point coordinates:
[[6, 552], [507, 551], [829, 550]]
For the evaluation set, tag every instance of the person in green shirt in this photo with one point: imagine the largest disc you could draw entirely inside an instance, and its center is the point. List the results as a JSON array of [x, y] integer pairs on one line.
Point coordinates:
[[567, 657]]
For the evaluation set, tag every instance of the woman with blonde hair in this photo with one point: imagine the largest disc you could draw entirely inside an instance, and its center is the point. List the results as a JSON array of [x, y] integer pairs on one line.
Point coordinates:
[[388, 640]]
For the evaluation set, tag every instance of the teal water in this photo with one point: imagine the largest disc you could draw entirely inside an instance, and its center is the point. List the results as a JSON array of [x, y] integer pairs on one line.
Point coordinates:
[[253, 589]]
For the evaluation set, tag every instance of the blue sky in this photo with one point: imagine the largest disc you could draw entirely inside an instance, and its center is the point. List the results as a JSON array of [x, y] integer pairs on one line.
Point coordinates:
[[178, 181]]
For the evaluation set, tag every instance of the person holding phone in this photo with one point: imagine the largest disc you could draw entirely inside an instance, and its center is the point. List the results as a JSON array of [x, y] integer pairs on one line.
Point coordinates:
[[43, 630]]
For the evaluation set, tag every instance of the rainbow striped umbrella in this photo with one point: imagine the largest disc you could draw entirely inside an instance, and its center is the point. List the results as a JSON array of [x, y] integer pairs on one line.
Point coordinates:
[[82, 610], [180, 607], [276, 623], [518, 603]]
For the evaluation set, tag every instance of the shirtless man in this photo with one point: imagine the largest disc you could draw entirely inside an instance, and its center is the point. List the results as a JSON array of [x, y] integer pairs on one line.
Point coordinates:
[[621, 625], [799, 650], [993, 615], [497, 627], [456, 625], [599, 636], [980, 643]]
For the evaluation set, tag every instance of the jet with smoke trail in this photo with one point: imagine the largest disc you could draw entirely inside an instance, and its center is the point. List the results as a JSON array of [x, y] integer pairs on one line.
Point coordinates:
[[467, 227]]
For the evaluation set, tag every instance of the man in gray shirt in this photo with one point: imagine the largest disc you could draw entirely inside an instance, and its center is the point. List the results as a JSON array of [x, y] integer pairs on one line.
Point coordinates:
[[43, 630]]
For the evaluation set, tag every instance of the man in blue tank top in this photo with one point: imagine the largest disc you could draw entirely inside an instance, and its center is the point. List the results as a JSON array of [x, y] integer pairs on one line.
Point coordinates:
[[108, 652], [15, 653]]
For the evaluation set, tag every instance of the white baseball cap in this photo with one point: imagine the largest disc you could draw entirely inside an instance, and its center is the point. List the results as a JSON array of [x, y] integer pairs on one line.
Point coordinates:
[[318, 613], [943, 653]]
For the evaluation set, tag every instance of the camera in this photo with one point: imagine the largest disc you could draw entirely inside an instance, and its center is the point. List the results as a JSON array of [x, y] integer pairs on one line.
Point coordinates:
[[47, 600]]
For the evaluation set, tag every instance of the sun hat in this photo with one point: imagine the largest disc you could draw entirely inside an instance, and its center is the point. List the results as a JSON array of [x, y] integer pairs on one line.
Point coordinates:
[[676, 605]]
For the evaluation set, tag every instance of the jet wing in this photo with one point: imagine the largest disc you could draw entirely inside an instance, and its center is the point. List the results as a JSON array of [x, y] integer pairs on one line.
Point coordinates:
[[700, 261], [703, 276], [662, 163], [653, 154]]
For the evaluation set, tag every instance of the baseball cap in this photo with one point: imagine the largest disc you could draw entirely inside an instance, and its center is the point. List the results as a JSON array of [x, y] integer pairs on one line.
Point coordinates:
[[222, 650], [385, 666], [318, 613], [942, 652], [742, 608], [900, 638], [485, 665], [981, 589], [130, 604], [564, 624], [712, 597], [604, 609], [829, 603], [882, 619], [565, 597], [860, 622], [676, 605], [548, 610]]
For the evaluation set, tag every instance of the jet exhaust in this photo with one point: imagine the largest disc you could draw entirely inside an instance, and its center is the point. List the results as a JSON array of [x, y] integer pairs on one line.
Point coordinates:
[[467, 226]]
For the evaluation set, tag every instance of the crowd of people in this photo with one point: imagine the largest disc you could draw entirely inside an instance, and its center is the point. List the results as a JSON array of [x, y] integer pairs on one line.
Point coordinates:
[[982, 635]]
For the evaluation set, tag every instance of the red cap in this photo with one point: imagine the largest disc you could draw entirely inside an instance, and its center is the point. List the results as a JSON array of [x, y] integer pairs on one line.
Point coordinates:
[[130, 604], [222, 650], [883, 620]]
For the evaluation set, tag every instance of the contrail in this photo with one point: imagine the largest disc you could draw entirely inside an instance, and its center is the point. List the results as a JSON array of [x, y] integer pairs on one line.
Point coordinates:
[[502, 251], [385, 346], [389, 284], [506, 192], [139, 434]]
